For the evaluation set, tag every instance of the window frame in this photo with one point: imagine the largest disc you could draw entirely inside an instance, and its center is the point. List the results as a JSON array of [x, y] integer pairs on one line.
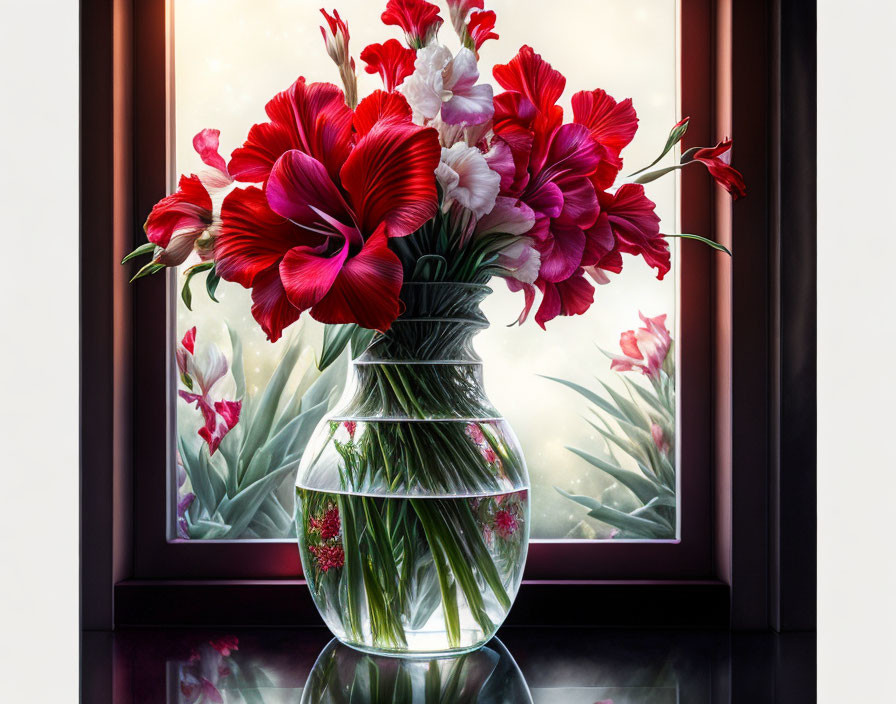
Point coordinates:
[[126, 78]]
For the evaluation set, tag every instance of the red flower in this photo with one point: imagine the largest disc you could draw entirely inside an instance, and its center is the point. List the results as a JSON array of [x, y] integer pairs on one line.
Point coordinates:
[[178, 220], [554, 164], [312, 118], [350, 426], [418, 19], [327, 524], [629, 224], [328, 556], [717, 160], [613, 126], [391, 60], [225, 644], [506, 523], [316, 237], [480, 27]]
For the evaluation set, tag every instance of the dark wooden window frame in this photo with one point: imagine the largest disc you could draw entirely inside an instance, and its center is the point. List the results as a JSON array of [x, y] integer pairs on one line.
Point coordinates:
[[747, 358]]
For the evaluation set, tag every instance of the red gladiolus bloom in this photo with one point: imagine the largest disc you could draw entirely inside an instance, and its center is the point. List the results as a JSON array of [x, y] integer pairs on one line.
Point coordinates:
[[391, 60], [418, 19], [717, 160], [554, 164], [316, 237], [350, 426], [628, 224], [480, 27], [178, 220], [613, 126], [328, 556]]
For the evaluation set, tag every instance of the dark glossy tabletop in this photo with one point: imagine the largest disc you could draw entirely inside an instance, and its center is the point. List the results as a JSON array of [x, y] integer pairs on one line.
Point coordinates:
[[543, 665]]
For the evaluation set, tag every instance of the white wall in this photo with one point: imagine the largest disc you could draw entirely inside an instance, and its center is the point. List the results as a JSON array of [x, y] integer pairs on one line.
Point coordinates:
[[38, 350], [857, 341]]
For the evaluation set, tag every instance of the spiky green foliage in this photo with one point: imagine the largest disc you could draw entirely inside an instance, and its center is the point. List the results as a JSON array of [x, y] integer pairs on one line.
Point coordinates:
[[245, 490], [638, 431]]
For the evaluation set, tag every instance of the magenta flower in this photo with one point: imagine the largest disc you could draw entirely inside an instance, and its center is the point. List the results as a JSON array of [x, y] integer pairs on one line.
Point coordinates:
[[225, 644], [206, 371], [505, 523], [475, 433], [645, 348], [328, 556], [659, 439], [326, 524]]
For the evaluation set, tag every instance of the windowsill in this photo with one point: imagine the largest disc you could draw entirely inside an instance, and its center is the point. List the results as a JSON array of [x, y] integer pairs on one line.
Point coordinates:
[[692, 604]]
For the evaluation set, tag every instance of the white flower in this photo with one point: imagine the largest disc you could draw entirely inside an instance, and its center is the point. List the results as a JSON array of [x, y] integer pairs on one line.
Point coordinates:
[[446, 85], [520, 260], [465, 177]]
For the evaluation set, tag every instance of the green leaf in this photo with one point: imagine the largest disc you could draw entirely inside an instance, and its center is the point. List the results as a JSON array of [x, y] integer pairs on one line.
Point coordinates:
[[185, 292], [336, 337], [147, 270], [197, 468], [619, 519], [211, 284], [239, 511], [430, 267], [643, 488], [361, 339], [263, 417], [323, 387], [236, 364], [633, 414], [675, 136], [704, 240], [148, 248], [591, 396], [208, 530]]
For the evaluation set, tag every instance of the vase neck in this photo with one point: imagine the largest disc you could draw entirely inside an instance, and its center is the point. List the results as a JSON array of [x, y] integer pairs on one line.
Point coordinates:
[[437, 325]]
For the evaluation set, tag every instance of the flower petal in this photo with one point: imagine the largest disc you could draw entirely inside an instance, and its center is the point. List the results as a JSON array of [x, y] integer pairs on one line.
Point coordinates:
[[270, 306], [474, 106], [299, 188], [189, 340], [366, 290], [187, 210], [529, 74], [561, 254], [636, 226], [613, 125], [311, 117], [390, 177], [206, 145], [391, 60], [377, 106], [253, 237], [419, 20], [570, 297], [307, 274]]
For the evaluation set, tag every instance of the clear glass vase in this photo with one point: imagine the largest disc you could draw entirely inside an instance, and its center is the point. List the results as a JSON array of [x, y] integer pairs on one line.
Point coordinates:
[[412, 502], [488, 676]]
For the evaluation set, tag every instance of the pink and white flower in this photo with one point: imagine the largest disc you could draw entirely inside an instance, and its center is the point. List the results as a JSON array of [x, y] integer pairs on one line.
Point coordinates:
[[465, 177], [204, 371], [645, 348], [445, 85]]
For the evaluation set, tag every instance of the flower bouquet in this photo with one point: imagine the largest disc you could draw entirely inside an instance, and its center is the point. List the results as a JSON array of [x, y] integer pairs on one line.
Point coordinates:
[[385, 218]]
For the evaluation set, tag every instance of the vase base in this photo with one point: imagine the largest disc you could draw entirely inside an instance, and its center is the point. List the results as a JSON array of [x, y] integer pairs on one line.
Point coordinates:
[[415, 654]]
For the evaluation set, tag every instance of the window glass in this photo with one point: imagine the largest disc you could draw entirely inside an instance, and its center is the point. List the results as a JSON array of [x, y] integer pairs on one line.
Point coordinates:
[[230, 57]]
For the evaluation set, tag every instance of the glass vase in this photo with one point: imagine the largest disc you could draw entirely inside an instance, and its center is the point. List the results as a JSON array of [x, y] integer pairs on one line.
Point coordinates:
[[412, 502]]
